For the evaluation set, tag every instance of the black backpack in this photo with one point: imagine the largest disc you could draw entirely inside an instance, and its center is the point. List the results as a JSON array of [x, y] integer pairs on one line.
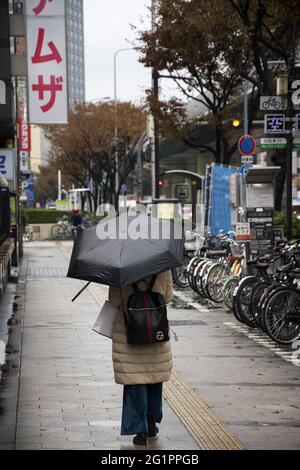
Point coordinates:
[[146, 317]]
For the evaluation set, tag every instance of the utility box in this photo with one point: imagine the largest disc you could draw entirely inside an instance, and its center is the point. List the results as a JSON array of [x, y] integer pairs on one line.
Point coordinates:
[[260, 191]]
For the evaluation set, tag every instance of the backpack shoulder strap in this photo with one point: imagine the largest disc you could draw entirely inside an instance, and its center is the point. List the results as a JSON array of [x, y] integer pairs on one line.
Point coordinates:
[[135, 287], [150, 285], [152, 282]]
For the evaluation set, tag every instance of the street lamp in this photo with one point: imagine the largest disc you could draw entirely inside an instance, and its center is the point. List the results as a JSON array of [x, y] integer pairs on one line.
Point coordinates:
[[115, 139]]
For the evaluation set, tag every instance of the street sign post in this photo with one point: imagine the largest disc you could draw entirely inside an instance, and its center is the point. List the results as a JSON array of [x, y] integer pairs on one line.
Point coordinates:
[[274, 123], [182, 191], [247, 145], [269, 143], [244, 168], [248, 159], [273, 103]]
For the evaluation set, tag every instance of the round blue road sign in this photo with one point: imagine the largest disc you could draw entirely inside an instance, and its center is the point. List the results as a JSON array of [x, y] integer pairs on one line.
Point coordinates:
[[244, 168], [247, 145]]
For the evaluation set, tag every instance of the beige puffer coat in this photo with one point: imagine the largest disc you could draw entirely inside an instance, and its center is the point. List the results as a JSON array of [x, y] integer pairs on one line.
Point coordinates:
[[147, 364]]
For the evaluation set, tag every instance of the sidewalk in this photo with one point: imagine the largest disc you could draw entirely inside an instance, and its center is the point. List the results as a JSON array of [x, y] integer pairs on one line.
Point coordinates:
[[67, 396]]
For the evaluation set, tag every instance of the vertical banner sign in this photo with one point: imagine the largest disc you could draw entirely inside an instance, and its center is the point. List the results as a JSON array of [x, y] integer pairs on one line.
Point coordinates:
[[24, 136], [47, 61], [24, 130]]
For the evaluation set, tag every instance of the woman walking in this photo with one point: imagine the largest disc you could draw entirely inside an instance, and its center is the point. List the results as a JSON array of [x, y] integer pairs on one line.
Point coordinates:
[[141, 369]]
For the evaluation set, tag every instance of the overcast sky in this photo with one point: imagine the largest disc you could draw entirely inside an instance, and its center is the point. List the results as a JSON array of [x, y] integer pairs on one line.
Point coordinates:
[[107, 29]]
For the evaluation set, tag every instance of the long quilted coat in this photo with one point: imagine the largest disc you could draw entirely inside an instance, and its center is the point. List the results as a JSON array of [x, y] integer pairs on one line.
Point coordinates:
[[146, 364]]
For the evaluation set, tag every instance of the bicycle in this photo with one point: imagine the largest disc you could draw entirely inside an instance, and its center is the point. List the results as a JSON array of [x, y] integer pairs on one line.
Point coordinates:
[[62, 230], [27, 235]]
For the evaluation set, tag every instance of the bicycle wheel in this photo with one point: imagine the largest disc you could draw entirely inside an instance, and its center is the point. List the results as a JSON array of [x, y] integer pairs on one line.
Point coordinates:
[[57, 232], [255, 300], [203, 276], [68, 231], [190, 270], [215, 282], [282, 316], [180, 275], [198, 278], [228, 289], [267, 294], [242, 301]]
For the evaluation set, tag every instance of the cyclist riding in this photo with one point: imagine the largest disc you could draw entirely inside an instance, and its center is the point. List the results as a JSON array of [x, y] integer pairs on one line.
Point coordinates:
[[76, 221]]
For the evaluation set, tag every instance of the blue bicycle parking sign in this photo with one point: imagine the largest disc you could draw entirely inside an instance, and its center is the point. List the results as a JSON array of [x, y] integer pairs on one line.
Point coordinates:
[[274, 123]]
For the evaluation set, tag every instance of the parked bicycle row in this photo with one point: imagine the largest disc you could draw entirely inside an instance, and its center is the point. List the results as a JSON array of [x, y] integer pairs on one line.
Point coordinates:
[[262, 293]]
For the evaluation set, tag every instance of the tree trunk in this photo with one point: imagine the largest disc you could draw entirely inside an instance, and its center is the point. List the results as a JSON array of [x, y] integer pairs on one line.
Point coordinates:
[[279, 159]]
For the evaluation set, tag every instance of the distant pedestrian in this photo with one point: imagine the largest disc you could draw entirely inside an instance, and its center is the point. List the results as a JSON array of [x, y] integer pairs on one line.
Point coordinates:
[[141, 369], [76, 221]]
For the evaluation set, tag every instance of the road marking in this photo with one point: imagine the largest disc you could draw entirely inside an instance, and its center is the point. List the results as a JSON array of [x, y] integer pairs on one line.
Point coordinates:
[[258, 337], [187, 300], [263, 341], [207, 429]]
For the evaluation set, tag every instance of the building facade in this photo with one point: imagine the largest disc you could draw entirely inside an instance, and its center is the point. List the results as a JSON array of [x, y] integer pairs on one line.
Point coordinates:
[[75, 48], [40, 150]]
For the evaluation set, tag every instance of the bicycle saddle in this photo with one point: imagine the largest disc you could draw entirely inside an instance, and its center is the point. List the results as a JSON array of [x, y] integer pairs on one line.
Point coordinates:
[[261, 265], [217, 253]]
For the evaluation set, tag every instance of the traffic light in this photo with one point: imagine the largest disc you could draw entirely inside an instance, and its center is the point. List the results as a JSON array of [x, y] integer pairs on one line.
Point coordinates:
[[236, 120], [160, 183]]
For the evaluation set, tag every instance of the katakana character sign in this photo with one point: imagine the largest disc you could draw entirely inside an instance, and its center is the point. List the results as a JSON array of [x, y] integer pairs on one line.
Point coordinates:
[[52, 88], [47, 63], [38, 58], [45, 7], [40, 7]]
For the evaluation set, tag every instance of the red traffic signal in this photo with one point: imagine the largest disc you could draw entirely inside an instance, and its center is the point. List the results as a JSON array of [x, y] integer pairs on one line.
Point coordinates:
[[160, 183]]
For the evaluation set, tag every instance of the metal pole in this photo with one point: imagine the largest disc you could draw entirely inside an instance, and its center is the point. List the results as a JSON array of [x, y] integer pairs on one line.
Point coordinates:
[[290, 138], [116, 127], [155, 78], [289, 158], [155, 89], [59, 185], [246, 115], [116, 114]]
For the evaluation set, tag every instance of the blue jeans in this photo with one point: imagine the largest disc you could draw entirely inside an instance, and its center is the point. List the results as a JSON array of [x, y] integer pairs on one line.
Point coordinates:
[[140, 403]]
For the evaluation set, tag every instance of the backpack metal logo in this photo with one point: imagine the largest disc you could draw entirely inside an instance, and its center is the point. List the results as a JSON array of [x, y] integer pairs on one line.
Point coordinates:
[[160, 336]]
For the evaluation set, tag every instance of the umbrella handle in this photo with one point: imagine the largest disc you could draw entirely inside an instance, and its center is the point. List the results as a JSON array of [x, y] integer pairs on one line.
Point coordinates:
[[80, 292]]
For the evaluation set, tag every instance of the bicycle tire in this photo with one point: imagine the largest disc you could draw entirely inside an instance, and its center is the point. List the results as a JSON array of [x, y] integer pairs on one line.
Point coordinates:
[[229, 287], [242, 301], [198, 283], [279, 307], [255, 300], [179, 275], [214, 285], [57, 232]]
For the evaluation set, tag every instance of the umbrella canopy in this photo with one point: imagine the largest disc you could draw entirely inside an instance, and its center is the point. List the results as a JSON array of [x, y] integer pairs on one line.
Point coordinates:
[[125, 250]]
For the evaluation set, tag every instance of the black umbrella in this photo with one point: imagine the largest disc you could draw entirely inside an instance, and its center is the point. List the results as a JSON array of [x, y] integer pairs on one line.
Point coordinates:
[[125, 250]]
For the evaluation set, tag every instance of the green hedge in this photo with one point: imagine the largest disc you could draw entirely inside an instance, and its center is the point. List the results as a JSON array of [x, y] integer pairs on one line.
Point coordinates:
[[280, 219], [43, 216]]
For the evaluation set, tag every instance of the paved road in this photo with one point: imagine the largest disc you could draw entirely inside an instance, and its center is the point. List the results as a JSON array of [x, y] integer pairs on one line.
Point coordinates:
[[228, 389]]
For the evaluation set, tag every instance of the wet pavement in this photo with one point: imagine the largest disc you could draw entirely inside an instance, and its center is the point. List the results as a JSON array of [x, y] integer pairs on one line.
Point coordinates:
[[63, 396]]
